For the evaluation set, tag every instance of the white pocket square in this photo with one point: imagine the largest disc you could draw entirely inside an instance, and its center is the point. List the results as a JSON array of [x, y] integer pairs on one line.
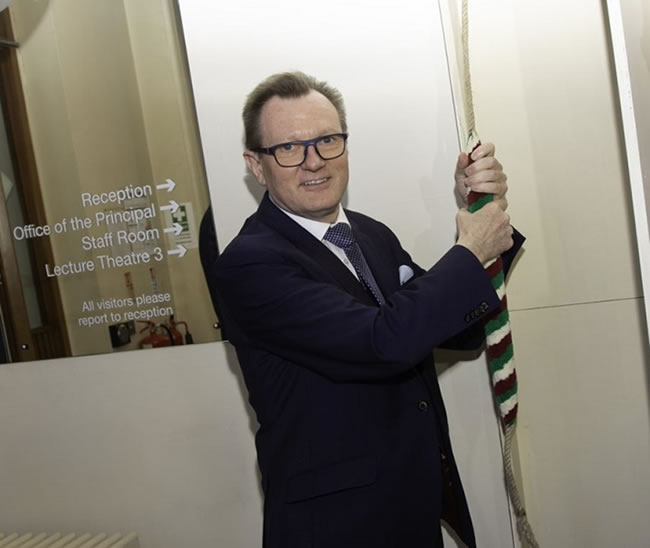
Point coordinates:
[[405, 274]]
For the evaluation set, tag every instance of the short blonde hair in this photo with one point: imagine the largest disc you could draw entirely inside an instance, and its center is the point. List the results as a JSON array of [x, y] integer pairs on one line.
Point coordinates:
[[285, 84]]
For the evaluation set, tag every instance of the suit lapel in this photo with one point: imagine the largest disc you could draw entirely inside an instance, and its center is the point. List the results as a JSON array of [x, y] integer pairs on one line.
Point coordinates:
[[313, 253]]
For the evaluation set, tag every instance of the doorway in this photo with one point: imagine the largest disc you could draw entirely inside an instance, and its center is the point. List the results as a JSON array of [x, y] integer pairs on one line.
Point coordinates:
[[31, 325]]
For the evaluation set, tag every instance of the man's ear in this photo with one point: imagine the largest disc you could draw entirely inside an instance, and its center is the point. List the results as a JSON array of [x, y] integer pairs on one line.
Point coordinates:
[[254, 164]]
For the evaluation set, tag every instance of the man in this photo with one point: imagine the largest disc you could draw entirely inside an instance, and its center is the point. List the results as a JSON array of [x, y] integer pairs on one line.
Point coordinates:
[[335, 338]]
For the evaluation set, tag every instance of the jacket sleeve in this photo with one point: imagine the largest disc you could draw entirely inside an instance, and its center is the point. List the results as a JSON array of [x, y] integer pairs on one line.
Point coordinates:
[[271, 303], [472, 338]]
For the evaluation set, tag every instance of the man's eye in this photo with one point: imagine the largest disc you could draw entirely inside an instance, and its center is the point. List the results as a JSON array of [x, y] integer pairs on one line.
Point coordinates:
[[288, 147], [328, 140]]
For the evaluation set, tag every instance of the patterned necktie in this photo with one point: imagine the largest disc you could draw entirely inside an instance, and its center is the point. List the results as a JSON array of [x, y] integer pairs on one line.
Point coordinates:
[[341, 236]]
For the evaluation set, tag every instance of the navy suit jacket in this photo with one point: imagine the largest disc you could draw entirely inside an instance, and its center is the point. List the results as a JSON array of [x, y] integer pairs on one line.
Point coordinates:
[[353, 442]]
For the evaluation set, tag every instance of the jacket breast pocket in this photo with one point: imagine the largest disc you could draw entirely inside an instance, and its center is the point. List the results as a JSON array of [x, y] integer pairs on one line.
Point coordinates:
[[332, 478]]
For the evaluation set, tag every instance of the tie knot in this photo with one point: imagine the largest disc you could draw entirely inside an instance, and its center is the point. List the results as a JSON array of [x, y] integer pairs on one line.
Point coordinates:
[[340, 235]]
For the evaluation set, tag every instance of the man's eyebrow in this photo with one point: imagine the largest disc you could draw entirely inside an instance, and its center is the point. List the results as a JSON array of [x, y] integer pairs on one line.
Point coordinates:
[[327, 131]]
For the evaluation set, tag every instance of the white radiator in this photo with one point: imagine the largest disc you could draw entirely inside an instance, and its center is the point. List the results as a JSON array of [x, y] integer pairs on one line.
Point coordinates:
[[71, 540]]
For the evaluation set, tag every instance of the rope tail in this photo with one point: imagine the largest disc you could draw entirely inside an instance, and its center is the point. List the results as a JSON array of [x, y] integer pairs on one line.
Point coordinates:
[[500, 350]]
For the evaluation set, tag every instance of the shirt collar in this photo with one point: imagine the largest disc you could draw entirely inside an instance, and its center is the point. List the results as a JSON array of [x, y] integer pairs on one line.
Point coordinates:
[[316, 228]]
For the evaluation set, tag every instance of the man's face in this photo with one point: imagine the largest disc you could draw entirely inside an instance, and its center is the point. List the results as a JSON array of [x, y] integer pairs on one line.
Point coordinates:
[[313, 189]]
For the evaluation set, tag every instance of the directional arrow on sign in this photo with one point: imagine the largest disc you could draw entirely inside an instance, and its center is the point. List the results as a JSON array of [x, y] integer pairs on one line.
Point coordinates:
[[173, 207], [169, 185], [176, 229], [180, 251]]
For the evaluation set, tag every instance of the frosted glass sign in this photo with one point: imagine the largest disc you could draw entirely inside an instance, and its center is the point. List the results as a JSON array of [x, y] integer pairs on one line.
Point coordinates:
[[103, 180]]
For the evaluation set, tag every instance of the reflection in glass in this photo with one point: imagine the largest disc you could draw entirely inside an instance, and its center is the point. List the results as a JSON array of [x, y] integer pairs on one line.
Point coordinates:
[[111, 215]]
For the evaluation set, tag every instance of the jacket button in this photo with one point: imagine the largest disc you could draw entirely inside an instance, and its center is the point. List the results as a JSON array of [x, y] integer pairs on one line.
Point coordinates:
[[423, 405]]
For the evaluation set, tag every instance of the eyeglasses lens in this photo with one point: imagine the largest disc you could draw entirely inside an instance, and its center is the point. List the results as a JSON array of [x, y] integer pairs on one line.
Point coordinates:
[[293, 154]]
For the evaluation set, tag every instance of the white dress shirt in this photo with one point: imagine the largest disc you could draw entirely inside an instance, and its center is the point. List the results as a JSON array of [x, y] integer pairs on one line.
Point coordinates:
[[318, 229]]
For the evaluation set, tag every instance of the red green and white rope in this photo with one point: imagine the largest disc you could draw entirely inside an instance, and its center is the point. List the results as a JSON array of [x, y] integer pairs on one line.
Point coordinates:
[[500, 350]]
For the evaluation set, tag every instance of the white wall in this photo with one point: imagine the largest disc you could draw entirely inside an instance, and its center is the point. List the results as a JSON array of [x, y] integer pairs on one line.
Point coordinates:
[[156, 442], [545, 92]]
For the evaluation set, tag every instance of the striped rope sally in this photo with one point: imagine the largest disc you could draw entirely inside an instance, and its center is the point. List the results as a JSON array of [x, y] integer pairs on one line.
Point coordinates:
[[498, 335]]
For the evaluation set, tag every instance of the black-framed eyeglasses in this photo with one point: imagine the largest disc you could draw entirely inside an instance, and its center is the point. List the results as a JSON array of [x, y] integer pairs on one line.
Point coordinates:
[[294, 153]]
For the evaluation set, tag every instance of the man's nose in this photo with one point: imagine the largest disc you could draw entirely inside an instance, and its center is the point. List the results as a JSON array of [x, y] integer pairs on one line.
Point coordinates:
[[312, 160]]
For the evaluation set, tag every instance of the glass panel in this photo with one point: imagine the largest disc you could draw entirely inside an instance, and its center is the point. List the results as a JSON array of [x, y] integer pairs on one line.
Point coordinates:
[[120, 174], [16, 218]]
